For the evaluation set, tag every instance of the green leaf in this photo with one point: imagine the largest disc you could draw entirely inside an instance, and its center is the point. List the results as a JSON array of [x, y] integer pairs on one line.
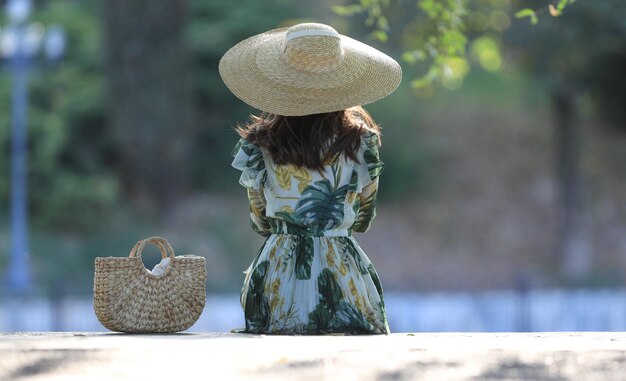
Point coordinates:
[[255, 159], [414, 56], [330, 292], [376, 280], [379, 35], [355, 207], [454, 41], [287, 217], [421, 82], [304, 257], [257, 308], [354, 253], [347, 10], [349, 319], [354, 181], [430, 7], [428, 78], [366, 213], [409, 57], [321, 206], [321, 318], [382, 23], [374, 166], [527, 12]]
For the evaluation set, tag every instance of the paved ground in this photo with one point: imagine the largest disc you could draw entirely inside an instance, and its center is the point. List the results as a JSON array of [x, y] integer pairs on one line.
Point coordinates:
[[222, 356]]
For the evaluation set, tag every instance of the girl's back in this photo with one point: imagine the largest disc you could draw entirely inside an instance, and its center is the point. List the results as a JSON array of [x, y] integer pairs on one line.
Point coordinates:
[[311, 276]]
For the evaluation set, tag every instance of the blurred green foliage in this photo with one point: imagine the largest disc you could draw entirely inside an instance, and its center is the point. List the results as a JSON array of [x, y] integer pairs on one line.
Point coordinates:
[[72, 183], [76, 196], [579, 45], [74, 159], [435, 36], [214, 27], [553, 10], [77, 200]]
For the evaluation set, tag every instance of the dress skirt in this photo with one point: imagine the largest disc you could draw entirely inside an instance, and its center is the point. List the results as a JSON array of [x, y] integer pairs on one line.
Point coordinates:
[[313, 285]]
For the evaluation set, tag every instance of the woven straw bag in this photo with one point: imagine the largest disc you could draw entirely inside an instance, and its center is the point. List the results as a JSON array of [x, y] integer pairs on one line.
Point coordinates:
[[129, 298]]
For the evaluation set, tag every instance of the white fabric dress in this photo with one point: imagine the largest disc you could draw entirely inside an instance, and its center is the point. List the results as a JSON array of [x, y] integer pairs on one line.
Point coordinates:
[[311, 276]]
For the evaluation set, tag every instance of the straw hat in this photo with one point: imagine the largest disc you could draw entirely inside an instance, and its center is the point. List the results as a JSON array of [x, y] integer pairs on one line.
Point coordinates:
[[307, 69]]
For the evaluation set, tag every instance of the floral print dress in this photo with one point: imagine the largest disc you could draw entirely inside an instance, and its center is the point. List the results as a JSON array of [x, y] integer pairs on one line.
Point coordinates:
[[310, 276]]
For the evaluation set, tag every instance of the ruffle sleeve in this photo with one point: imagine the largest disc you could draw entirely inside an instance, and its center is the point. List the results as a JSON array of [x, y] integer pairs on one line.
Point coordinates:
[[370, 166], [248, 158]]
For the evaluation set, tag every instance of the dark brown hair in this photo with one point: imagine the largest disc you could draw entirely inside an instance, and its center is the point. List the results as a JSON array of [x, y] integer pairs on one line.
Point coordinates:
[[310, 140]]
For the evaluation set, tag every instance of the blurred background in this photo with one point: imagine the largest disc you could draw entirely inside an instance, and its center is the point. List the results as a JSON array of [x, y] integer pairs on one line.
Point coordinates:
[[503, 201]]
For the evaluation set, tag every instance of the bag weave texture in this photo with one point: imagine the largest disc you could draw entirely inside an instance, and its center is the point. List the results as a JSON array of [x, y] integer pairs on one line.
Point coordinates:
[[129, 298]]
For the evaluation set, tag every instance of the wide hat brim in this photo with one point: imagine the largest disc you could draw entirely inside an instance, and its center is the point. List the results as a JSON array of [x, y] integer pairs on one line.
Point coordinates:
[[256, 72]]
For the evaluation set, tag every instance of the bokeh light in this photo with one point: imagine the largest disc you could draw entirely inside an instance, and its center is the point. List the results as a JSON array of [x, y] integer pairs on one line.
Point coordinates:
[[486, 50]]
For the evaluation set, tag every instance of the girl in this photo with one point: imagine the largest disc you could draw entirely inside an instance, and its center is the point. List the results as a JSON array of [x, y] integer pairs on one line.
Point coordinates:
[[310, 165]]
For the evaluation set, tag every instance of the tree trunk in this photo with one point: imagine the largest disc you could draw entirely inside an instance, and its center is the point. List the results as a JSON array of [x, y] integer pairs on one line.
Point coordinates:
[[572, 242], [149, 94]]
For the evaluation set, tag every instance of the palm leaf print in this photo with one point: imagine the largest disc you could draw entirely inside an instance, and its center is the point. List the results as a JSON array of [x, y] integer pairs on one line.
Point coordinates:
[[330, 292], [374, 165], [349, 319], [283, 177], [302, 185], [257, 201], [287, 217], [320, 319], [354, 181], [355, 207], [366, 213], [358, 299], [258, 220], [286, 209], [330, 255], [332, 314], [304, 257], [374, 275], [302, 175], [255, 156], [351, 197], [351, 249], [321, 206], [276, 302], [248, 273], [257, 308]]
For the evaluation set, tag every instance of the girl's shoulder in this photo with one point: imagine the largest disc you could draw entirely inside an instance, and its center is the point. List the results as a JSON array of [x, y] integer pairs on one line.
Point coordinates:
[[369, 165], [370, 139], [248, 158]]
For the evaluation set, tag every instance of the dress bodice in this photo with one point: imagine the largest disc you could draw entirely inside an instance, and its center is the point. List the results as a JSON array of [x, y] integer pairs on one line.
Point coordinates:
[[310, 202]]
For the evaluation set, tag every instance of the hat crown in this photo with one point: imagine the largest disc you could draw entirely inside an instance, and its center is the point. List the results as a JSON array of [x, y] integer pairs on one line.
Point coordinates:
[[312, 47]]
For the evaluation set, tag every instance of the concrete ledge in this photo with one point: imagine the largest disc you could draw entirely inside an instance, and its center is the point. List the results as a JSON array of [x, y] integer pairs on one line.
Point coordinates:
[[222, 356]]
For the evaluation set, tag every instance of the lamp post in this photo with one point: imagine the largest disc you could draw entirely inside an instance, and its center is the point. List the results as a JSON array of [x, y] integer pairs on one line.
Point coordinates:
[[20, 42]]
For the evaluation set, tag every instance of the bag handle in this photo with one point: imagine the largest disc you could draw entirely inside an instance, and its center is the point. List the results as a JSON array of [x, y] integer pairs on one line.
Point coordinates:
[[161, 243]]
